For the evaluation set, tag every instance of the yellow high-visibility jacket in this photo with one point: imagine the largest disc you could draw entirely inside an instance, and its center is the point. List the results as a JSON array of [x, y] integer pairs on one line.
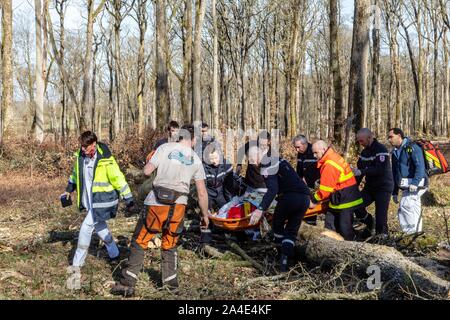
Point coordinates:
[[109, 184]]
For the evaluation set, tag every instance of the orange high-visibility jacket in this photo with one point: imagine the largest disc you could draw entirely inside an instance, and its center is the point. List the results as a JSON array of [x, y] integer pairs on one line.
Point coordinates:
[[337, 182]]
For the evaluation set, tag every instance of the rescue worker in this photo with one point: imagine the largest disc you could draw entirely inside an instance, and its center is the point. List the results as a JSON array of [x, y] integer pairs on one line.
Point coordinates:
[[171, 134], [99, 183], [408, 169], [176, 164], [293, 199], [338, 184], [218, 174], [253, 177], [306, 167], [374, 164]]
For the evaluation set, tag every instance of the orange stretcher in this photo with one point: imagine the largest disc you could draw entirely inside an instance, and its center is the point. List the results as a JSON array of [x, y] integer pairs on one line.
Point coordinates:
[[243, 223]]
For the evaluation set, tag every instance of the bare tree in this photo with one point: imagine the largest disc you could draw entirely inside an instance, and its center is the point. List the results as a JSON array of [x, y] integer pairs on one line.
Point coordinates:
[[358, 68], [7, 67]]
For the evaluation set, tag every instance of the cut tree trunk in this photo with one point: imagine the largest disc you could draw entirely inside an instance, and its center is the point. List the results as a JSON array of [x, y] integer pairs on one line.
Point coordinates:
[[398, 274]]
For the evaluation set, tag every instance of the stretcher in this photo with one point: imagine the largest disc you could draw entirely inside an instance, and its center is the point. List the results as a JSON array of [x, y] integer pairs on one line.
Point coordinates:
[[243, 223]]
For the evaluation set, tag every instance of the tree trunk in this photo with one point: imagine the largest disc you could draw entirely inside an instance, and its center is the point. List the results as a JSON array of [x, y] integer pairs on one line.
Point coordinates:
[[142, 22], [39, 73], [336, 71], [186, 102], [200, 7], [375, 90], [215, 84], [7, 65], [162, 74], [85, 107], [358, 68], [326, 248]]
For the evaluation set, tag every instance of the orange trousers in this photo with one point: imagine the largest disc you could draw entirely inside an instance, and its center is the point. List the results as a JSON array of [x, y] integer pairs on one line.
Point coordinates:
[[156, 222]]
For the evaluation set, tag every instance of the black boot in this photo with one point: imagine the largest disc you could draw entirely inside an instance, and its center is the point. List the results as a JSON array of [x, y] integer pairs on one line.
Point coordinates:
[[284, 263], [169, 269]]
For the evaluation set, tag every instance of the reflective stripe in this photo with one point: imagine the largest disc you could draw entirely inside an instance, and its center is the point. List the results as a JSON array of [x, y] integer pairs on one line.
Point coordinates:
[[170, 278], [288, 241], [101, 184], [436, 161], [347, 205], [131, 274], [373, 158], [127, 196], [325, 188], [317, 197], [310, 160], [334, 164], [210, 176], [125, 187], [276, 235], [71, 180], [105, 204], [343, 177]]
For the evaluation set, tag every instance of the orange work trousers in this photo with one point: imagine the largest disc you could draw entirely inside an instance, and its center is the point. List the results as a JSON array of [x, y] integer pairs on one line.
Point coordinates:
[[156, 222]]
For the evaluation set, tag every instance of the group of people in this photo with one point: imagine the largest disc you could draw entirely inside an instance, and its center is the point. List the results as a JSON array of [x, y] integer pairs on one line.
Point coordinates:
[[321, 175]]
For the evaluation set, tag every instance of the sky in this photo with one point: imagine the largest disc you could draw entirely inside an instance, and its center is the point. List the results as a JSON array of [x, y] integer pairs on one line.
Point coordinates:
[[75, 15]]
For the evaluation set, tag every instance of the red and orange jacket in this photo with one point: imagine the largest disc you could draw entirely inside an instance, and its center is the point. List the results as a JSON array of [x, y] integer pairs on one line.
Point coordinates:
[[337, 183]]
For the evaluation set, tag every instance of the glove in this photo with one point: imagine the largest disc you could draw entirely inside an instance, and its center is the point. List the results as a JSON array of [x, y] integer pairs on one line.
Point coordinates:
[[413, 188], [395, 198], [356, 172], [256, 216]]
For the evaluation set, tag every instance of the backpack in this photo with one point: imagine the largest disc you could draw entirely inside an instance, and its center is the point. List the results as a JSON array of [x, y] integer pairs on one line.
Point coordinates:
[[435, 162]]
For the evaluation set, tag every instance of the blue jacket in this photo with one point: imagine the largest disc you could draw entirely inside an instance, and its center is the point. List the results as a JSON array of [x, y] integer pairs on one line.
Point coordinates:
[[408, 162]]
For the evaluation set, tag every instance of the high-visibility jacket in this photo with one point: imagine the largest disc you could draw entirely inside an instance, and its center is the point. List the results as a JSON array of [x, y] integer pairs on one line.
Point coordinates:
[[337, 183], [109, 183]]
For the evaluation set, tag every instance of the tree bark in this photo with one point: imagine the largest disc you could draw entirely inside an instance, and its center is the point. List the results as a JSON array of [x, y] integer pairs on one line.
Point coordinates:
[[336, 71], [39, 72], [7, 65], [358, 69], [186, 102], [162, 74], [326, 248], [215, 84], [200, 7]]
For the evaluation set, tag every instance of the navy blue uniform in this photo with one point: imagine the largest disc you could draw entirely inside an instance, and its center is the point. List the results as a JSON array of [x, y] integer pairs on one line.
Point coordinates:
[[216, 181], [375, 165], [307, 167], [292, 201]]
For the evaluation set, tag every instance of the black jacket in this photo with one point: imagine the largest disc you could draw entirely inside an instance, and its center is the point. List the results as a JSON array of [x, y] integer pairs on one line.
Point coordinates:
[[307, 167], [280, 178], [217, 179], [375, 165]]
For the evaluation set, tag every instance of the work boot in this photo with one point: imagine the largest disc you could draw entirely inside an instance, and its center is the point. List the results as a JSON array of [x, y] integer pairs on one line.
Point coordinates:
[[368, 221], [169, 268], [122, 290], [284, 267]]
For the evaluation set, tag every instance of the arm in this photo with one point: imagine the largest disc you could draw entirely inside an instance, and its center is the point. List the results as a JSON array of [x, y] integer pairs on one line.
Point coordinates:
[[328, 180], [118, 181], [202, 200], [149, 168], [419, 164], [272, 190], [72, 183]]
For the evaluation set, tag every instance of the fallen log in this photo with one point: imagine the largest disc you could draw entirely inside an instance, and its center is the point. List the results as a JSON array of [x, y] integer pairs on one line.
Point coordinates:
[[326, 248], [244, 255]]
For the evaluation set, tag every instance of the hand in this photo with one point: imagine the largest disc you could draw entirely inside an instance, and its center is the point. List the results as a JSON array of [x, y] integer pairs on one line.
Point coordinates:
[[413, 188], [256, 216], [312, 205], [395, 198], [204, 221], [67, 194], [356, 172]]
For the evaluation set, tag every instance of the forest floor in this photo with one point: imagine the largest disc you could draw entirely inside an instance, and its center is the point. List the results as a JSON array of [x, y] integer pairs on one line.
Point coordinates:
[[38, 239]]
